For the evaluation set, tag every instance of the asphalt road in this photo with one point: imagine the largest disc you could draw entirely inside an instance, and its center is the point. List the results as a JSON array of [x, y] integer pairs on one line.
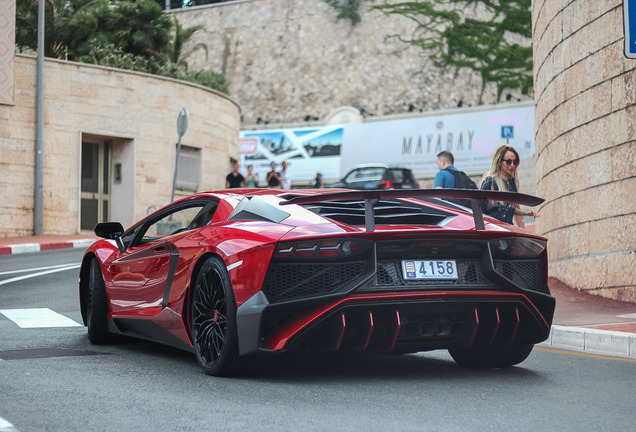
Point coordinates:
[[53, 379]]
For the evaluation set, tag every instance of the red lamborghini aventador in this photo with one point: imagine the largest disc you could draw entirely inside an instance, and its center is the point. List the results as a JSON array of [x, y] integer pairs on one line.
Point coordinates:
[[238, 274]]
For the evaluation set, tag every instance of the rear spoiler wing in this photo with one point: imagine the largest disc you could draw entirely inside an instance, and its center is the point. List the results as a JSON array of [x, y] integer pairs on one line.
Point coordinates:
[[477, 197]]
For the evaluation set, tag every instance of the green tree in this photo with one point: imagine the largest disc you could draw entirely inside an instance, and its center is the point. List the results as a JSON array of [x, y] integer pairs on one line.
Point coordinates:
[[93, 25], [142, 28], [73, 26], [57, 17], [134, 35], [179, 39], [497, 47]]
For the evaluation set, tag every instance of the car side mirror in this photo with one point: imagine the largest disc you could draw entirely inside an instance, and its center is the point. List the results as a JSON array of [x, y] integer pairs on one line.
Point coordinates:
[[111, 230]]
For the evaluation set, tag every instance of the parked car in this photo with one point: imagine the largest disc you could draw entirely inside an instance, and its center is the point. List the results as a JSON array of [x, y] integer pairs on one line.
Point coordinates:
[[245, 273], [365, 177]]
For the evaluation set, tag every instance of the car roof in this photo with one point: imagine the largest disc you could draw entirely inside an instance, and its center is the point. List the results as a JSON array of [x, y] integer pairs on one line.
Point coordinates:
[[371, 165]]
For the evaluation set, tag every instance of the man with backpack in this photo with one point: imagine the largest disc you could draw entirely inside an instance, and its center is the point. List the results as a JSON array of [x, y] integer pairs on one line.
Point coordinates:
[[450, 177]]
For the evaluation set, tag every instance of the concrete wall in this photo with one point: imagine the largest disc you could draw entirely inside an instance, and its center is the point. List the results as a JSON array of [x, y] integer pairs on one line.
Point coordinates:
[[136, 112], [585, 124], [291, 61]]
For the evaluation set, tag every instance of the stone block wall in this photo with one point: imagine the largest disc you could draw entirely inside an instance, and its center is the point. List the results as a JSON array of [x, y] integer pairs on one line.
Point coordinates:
[[294, 61], [136, 110], [585, 126]]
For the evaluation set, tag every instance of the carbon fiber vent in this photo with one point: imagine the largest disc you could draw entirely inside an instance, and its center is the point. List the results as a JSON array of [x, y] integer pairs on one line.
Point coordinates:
[[527, 274], [293, 281], [386, 212]]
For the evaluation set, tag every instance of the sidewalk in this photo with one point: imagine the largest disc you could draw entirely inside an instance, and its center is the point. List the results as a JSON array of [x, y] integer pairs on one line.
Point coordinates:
[[17, 245], [582, 322]]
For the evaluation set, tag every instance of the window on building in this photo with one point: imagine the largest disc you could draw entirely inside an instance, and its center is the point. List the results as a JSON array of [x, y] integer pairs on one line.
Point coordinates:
[[189, 169]]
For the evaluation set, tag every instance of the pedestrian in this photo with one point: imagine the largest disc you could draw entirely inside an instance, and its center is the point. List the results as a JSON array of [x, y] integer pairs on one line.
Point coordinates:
[[273, 178], [518, 218], [318, 181], [284, 175], [449, 177], [251, 179], [234, 179], [444, 179], [503, 177]]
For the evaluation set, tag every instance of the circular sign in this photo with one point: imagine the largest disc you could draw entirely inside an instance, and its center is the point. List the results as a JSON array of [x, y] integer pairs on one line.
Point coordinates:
[[182, 122]]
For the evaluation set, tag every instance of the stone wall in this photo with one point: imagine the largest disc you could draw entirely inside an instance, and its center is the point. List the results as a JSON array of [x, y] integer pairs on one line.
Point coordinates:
[[585, 125], [293, 61], [137, 112], [7, 44]]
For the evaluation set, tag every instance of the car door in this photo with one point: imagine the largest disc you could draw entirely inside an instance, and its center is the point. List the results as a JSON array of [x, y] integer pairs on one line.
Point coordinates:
[[142, 274]]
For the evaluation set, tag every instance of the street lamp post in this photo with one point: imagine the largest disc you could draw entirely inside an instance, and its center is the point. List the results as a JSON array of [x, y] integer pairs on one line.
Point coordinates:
[[38, 193]]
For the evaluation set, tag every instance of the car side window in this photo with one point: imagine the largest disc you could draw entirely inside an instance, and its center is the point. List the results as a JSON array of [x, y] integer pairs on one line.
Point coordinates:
[[204, 217], [172, 221], [365, 174], [352, 176], [394, 175]]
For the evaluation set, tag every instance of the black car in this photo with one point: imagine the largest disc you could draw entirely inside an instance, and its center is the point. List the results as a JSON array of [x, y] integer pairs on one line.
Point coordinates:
[[366, 177]]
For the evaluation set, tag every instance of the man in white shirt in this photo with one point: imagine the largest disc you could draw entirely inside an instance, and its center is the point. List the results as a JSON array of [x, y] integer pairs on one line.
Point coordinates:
[[284, 175]]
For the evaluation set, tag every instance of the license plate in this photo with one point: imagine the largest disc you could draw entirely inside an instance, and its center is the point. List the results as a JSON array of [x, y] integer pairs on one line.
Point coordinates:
[[424, 269]]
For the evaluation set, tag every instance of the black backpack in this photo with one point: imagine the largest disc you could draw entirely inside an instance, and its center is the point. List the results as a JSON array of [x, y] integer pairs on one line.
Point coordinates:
[[462, 181]]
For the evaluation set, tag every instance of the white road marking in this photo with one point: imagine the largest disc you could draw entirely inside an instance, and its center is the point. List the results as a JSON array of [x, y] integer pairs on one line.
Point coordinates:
[[42, 273], [38, 318], [5, 426], [628, 316], [36, 269]]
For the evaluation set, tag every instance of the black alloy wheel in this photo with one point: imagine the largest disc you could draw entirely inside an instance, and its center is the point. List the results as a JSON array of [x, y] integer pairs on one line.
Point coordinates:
[[213, 320], [97, 306], [499, 355]]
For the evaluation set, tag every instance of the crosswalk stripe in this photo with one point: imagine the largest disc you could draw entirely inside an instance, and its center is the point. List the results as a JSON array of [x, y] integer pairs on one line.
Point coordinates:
[[38, 318]]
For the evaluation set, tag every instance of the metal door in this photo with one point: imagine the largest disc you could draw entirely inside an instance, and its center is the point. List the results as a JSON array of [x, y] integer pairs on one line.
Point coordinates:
[[95, 173]]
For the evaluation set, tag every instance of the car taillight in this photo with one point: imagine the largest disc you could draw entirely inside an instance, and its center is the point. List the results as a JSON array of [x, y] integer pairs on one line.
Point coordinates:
[[387, 184], [522, 247], [332, 248]]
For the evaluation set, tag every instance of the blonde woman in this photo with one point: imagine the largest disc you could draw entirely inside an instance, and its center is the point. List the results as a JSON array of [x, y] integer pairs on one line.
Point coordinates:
[[251, 179], [518, 218], [503, 177]]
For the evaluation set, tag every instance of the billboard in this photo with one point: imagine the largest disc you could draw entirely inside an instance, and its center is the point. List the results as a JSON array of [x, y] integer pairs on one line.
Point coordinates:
[[413, 142], [306, 150]]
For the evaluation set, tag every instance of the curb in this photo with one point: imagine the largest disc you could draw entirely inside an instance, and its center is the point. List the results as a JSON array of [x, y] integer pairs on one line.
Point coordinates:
[[603, 342], [37, 247]]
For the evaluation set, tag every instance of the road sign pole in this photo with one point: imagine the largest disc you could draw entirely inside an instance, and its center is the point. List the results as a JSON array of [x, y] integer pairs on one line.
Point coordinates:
[[629, 16], [182, 125]]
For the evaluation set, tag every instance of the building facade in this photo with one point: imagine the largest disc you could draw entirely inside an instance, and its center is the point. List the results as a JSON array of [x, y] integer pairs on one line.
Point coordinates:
[[109, 147], [585, 126]]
